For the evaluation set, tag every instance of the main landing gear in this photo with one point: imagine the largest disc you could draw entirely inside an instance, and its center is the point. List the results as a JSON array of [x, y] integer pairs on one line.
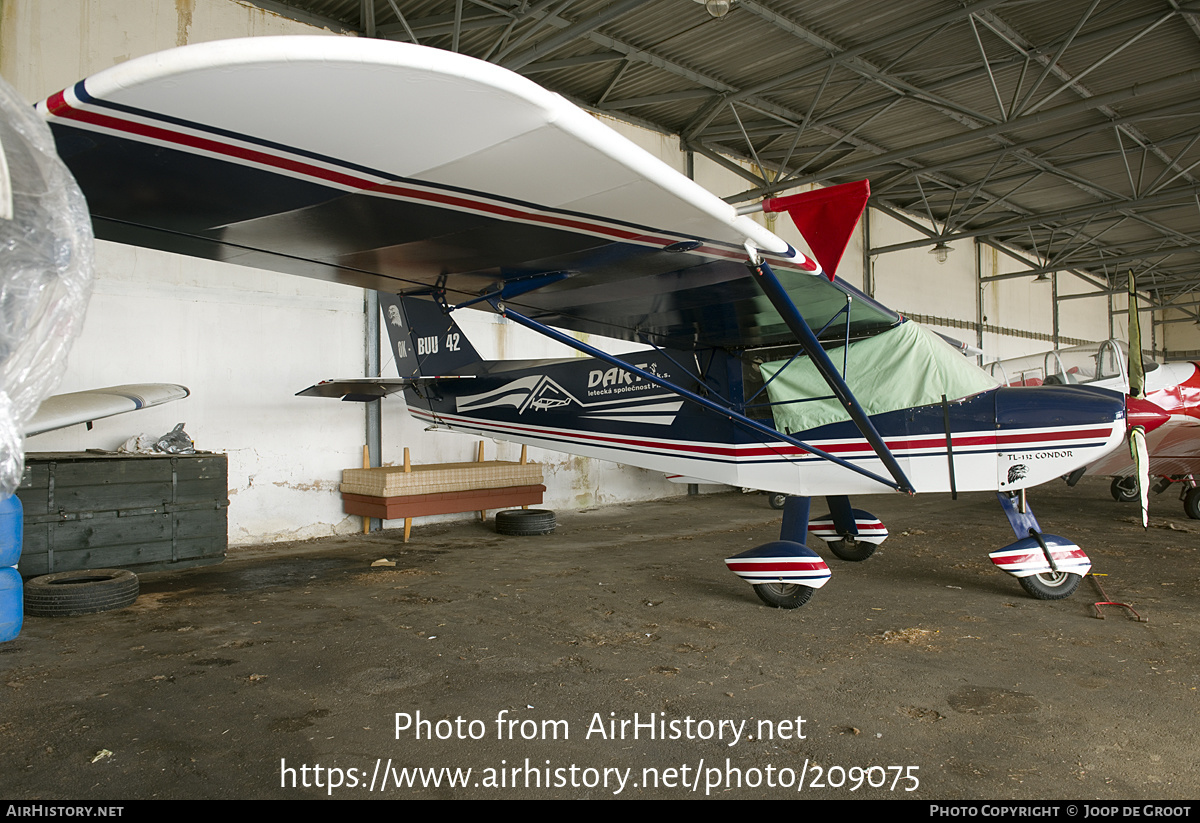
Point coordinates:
[[851, 534], [1125, 490], [785, 572], [1191, 502]]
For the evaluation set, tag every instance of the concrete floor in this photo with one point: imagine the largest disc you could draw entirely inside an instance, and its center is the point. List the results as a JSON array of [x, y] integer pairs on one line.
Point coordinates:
[[922, 668]]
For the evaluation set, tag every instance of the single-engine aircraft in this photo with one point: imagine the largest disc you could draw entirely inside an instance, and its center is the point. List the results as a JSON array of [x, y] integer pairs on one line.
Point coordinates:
[[448, 183], [1173, 447]]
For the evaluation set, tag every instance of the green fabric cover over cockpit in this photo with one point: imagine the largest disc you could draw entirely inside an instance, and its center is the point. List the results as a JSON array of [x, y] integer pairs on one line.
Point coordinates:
[[903, 367]]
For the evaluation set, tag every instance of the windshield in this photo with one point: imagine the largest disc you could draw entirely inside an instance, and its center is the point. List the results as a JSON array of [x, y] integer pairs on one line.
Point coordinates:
[[904, 367], [1102, 364]]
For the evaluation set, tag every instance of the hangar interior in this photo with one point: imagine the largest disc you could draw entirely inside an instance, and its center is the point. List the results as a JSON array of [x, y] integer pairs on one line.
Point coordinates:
[[1024, 159]]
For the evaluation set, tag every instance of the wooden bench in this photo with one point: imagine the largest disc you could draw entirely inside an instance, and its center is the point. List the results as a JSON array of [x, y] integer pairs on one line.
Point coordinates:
[[409, 491]]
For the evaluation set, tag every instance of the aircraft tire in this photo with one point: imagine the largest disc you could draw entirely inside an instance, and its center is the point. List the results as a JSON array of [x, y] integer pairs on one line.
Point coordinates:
[[783, 595], [1124, 489], [1191, 503], [68, 594], [1051, 585], [777, 501], [855, 551], [523, 522]]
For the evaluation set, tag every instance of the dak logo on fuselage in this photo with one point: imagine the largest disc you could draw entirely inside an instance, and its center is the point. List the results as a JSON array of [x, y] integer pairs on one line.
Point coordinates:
[[603, 378]]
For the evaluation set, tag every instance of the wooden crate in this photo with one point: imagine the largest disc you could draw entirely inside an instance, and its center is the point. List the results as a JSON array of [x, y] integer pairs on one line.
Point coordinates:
[[86, 510]]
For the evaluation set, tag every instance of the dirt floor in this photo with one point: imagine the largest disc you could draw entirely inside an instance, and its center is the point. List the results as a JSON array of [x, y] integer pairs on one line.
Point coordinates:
[[619, 657]]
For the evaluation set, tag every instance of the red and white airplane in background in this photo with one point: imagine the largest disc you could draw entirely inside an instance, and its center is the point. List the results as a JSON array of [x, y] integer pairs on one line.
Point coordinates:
[[1171, 396]]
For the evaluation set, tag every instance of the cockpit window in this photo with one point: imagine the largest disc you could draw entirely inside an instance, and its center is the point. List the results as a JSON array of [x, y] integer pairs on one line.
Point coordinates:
[[903, 367]]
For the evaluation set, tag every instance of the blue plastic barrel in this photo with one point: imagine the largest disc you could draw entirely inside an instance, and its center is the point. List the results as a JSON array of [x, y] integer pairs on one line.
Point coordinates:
[[12, 604], [11, 530]]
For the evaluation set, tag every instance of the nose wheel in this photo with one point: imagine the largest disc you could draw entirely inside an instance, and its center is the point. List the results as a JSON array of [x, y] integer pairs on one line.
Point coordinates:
[[1047, 566], [1051, 585]]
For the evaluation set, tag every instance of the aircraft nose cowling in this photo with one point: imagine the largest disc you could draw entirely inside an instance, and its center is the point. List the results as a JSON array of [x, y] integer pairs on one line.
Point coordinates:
[[1049, 431], [1141, 412], [1042, 406]]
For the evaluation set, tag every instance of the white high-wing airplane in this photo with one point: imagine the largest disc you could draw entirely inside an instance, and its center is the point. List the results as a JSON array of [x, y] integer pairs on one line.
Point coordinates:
[[448, 183]]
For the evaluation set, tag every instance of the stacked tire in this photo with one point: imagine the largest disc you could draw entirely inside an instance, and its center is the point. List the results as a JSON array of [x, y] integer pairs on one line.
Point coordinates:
[[525, 521], [88, 591]]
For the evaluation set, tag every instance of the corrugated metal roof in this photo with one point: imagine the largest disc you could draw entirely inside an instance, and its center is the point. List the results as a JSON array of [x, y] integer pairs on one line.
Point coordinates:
[[1067, 129]]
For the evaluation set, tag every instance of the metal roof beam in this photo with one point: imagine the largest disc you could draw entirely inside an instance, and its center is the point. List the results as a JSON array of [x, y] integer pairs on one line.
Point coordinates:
[[650, 99], [1037, 163], [1115, 260], [573, 32], [721, 160], [1034, 270], [574, 62], [840, 58], [438, 26], [1069, 81], [976, 158], [1046, 116]]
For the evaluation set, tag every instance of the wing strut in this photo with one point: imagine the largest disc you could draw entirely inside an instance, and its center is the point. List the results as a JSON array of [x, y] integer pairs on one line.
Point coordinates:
[[795, 321], [567, 340]]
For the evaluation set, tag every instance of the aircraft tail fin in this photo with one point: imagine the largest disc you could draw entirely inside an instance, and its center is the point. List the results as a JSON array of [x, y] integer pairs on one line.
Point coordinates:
[[426, 341]]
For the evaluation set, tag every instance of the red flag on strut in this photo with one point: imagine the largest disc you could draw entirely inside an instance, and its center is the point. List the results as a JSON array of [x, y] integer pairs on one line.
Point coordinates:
[[826, 218]]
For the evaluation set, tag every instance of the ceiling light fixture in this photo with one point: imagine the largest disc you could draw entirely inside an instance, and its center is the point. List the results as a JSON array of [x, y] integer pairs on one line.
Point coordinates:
[[717, 8], [941, 251]]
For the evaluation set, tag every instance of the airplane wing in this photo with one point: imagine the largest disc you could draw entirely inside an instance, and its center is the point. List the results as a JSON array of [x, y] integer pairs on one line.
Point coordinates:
[[397, 167], [62, 410]]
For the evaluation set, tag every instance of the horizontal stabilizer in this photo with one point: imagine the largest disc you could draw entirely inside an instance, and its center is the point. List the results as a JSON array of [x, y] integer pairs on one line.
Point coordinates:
[[365, 389]]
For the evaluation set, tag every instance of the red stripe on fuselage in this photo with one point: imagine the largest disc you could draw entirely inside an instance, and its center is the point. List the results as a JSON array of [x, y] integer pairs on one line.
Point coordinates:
[[1045, 440]]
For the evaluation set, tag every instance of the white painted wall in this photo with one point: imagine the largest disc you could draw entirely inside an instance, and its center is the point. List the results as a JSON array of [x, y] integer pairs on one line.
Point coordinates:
[[245, 341], [913, 282], [1178, 332]]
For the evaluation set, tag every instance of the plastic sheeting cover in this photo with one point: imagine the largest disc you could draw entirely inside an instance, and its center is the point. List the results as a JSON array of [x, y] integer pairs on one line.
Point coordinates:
[[46, 251], [901, 368]]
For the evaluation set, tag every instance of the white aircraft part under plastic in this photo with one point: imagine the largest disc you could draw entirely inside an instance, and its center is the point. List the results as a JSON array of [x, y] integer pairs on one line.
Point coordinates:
[[64, 410]]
